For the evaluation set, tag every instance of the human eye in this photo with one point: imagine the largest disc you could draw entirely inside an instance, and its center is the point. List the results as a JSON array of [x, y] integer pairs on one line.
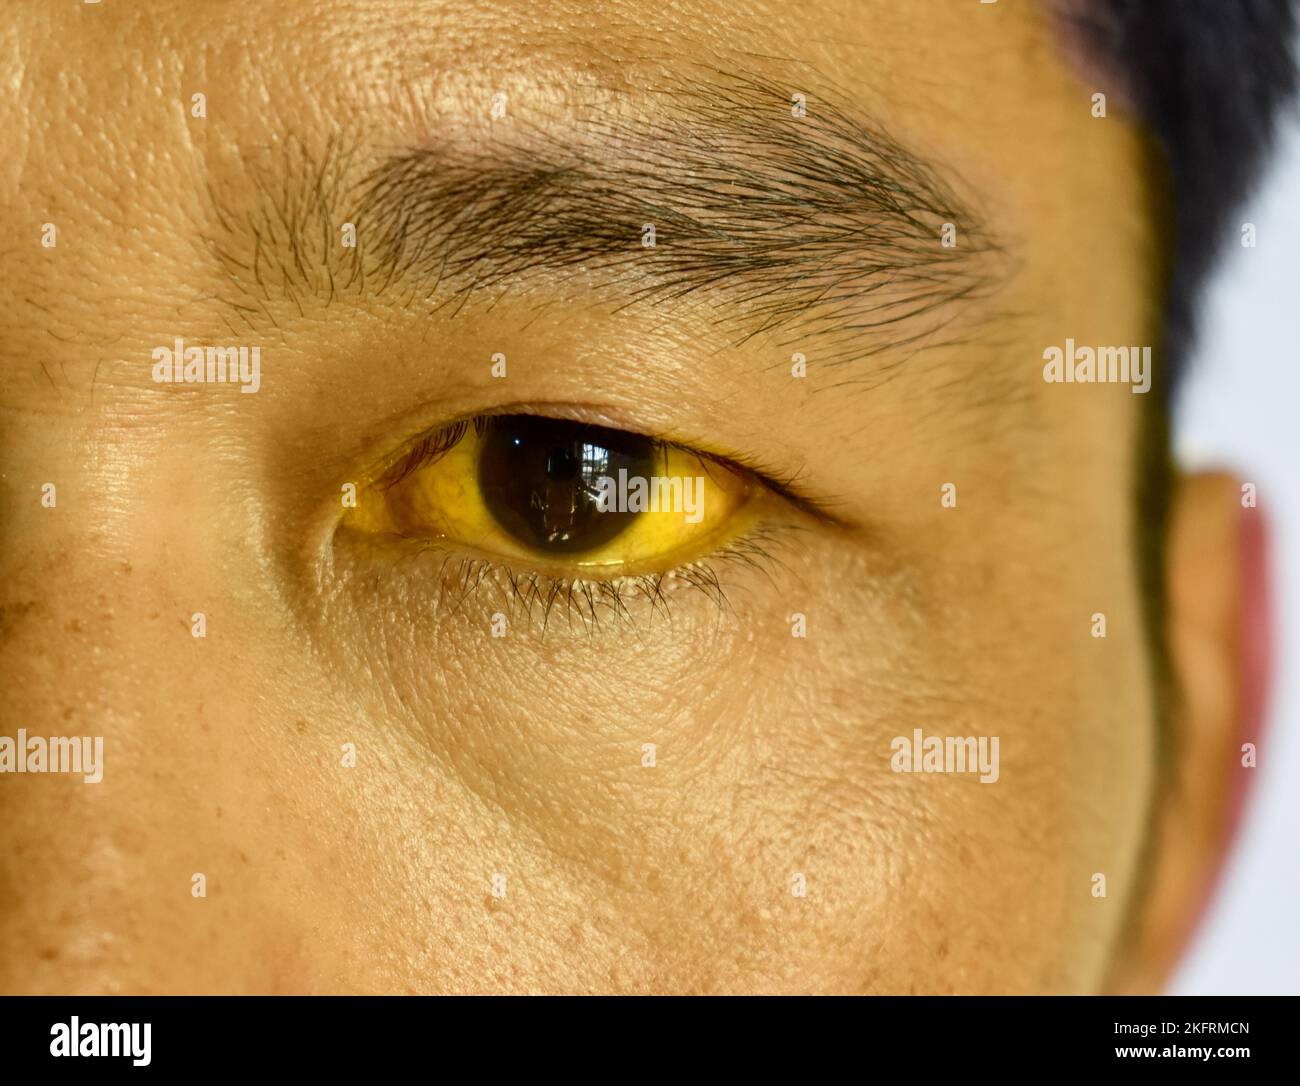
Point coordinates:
[[558, 505]]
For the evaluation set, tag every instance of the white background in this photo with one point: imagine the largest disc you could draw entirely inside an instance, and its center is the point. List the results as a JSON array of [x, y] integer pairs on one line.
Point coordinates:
[[1241, 410]]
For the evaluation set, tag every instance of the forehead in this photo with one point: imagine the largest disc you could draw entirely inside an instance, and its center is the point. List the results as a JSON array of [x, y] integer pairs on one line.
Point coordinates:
[[302, 103], [967, 80]]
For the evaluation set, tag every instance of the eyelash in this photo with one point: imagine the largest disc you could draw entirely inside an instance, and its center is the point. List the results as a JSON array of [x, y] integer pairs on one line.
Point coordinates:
[[436, 444], [584, 599], [431, 448]]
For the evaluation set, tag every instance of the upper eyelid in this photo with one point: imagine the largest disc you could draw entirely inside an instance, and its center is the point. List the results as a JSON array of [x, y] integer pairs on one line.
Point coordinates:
[[426, 449], [434, 444], [429, 447], [784, 485]]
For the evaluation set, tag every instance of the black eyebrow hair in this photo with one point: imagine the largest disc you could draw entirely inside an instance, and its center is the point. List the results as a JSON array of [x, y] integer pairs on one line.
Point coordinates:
[[815, 225]]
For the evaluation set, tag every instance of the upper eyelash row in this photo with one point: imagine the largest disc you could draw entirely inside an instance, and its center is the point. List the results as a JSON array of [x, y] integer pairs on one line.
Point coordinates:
[[428, 449], [437, 443]]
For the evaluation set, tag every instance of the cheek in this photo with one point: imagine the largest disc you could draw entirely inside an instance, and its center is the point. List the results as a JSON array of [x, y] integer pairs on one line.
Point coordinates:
[[1026, 883], [702, 803]]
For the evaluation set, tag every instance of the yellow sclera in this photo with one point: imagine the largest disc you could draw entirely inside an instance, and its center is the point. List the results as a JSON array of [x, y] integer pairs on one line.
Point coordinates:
[[692, 502]]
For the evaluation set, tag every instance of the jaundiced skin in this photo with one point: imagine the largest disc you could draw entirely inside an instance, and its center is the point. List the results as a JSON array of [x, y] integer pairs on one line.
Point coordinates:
[[348, 783]]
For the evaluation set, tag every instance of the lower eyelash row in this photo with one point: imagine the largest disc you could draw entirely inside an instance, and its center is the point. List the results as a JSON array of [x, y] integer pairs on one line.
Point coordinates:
[[465, 582]]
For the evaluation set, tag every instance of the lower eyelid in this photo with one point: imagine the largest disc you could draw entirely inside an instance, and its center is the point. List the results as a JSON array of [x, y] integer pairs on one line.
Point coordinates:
[[751, 519], [455, 581]]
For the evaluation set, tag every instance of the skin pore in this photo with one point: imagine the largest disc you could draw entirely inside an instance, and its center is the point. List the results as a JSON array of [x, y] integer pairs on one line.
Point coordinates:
[[523, 755]]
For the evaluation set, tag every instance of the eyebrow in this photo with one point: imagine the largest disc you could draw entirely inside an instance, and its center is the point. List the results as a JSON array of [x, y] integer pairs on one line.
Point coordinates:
[[820, 224]]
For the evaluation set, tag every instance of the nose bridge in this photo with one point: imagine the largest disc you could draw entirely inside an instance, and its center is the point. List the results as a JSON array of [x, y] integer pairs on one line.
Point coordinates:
[[97, 641], [65, 611], [101, 569], [96, 649], [77, 505], [68, 471], [109, 495], [75, 713]]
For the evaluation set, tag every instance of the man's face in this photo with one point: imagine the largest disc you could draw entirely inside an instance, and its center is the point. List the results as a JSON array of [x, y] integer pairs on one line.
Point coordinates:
[[646, 784]]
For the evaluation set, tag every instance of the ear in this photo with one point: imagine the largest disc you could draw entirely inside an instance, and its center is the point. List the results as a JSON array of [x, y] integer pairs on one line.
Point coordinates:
[[1218, 636]]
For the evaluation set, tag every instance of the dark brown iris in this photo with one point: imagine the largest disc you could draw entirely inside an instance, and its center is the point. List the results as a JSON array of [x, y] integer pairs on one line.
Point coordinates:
[[539, 479]]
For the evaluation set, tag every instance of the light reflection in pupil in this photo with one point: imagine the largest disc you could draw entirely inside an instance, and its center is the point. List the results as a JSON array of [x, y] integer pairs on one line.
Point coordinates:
[[538, 478]]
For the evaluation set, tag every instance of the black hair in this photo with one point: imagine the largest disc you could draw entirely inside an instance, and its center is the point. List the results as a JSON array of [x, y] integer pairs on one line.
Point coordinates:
[[1209, 79]]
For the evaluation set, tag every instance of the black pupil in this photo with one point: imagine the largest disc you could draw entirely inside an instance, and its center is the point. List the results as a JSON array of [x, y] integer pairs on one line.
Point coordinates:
[[539, 478]]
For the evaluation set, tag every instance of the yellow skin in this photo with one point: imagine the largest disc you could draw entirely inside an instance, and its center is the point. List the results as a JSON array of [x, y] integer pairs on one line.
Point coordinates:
[[523, 755]]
